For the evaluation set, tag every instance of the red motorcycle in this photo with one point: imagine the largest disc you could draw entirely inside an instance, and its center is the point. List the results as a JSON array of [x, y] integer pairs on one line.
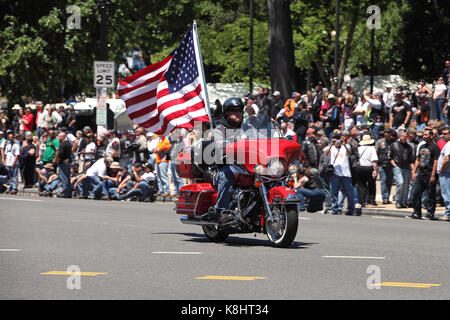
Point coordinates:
[[263, 200]]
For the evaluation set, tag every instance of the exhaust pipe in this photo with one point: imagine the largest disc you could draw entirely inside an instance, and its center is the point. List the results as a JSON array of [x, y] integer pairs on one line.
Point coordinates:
[[196, 221]]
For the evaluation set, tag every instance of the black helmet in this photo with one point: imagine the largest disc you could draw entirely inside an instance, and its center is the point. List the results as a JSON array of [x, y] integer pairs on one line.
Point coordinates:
[[232, 103]]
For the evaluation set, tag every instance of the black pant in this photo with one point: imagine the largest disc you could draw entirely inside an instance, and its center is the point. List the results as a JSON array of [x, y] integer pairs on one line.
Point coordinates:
[[365, 184], [421, 184]]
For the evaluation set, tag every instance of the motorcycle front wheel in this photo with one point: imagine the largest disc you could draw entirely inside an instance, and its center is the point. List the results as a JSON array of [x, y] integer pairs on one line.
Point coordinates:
[[214, 234], [282, 230]]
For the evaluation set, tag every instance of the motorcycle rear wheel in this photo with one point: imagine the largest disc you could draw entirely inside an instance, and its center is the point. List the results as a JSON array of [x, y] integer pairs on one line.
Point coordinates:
[[214, 234], [282, 231]]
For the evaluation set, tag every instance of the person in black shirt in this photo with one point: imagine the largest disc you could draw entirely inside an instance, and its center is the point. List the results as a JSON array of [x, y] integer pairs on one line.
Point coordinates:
[[64, 158], [424, 176], [301, 120], [402, 161], [401, 113], [28, 161]]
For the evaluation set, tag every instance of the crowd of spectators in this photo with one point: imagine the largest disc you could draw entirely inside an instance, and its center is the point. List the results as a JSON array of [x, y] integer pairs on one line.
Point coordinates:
[[348, 140]]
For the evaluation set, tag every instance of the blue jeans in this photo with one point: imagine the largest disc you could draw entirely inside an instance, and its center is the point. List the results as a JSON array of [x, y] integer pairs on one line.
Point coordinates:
[[338, 182], [375, 131], [162, 177], [444, 180], [52, 185], [439, 108], [3, 180], [177, 181], [402, 178], [386, 179], [225, 181], [14, 177], [107, 185], [316, 198], [64, 177], [341, 197], [142, 190], [93, 185]]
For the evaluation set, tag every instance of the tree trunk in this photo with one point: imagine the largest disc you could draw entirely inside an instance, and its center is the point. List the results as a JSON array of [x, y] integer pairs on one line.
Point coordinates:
[[281, 47], [348, 43]]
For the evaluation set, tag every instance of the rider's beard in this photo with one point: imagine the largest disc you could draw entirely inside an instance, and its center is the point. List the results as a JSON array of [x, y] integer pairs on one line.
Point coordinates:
[[235, 120]]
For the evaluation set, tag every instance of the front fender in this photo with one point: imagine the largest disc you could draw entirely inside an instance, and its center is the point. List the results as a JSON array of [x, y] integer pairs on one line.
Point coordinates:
[[282, 194]]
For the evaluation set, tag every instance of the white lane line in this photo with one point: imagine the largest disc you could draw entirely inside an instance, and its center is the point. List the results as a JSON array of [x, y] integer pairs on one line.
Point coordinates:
[[172, 252], [10, 250], [300, 218], [354, 257], [20, 199]]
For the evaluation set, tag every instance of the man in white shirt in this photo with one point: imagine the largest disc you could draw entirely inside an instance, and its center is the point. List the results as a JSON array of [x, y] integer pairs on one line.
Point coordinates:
[[11, 151], [91, 182], [361, 111], [341, 178]]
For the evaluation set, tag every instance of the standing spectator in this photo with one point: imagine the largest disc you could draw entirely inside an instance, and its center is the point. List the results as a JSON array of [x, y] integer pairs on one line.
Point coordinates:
[[41, 115], [402, 160], [91, 148], [113, 147], [439, 98], [376, 114], [277, 105], [15, 123], [332, 117], [361, 110], [311, 149], [71, 121], [176, 147], [301, 119], [443, 169], [63, 159], [341, 177], [401, 113], [347, 110], [367, 171], [28, 156], [3, 121], [424, 176], [51, 145], [388, 97], [291, 105], [141, 153], [384, 164], [317, 103], [126, 150], [27, 120], [11, 161], [162, 166], [423, 111]]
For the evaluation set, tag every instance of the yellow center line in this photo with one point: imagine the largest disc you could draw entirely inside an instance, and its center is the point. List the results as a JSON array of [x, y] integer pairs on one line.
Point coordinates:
[[407, 284], [229, 278], [65, 273]]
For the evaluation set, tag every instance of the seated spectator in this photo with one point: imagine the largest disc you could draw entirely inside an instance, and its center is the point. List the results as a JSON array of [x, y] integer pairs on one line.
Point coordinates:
[[309, 189], [140, 185], [47, 180], [4, 177], [110, 180], [91, 181]]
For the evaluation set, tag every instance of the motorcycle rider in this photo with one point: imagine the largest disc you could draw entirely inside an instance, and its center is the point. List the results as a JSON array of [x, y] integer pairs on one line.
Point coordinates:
[[227, 131]]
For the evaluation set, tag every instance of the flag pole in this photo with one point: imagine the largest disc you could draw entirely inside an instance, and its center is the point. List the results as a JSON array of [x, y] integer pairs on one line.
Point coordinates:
[[202, 72]]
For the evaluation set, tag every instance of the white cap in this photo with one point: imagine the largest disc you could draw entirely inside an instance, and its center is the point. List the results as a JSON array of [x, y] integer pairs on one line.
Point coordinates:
[[276, 93]]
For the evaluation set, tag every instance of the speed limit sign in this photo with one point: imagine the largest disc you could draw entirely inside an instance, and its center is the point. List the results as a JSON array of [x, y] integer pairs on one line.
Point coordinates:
[[104, 72]]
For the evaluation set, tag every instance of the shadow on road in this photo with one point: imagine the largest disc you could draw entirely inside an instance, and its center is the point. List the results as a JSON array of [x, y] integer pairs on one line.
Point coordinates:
[[234, 241]]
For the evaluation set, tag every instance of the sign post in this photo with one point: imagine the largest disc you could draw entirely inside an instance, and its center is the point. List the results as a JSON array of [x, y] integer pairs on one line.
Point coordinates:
[[104, 77]]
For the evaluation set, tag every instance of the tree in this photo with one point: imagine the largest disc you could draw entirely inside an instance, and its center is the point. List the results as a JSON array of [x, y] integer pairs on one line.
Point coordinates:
[[281, 48]]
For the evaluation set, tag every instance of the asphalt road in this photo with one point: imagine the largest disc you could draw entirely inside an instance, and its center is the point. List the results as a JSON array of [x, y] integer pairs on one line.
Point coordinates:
[[128, 250]]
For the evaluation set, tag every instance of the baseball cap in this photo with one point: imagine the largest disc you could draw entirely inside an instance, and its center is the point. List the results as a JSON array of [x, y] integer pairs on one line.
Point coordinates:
[[277, 93]]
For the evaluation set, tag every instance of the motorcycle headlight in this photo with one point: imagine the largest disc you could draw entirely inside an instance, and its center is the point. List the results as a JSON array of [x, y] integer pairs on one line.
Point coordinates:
[[258, 169], [276, 168], [292, 168]]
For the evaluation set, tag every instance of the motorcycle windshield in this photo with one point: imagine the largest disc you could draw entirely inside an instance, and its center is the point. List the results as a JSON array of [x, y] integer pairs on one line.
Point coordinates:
[[258, 127]]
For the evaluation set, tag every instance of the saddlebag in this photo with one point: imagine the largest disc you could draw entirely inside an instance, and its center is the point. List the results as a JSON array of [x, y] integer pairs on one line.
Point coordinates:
[[195, 199]]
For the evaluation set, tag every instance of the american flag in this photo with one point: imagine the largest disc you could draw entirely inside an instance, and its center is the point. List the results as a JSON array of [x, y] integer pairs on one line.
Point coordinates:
[[169, 93]]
